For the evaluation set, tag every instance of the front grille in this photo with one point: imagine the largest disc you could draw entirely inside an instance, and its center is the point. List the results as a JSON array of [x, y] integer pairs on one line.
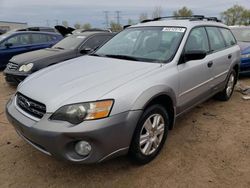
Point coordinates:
[[30, 106], [12, 66]]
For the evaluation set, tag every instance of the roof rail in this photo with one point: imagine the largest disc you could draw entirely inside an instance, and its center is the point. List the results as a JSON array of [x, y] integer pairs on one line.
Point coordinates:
[[213, 19], [126, 26], [191, 18]]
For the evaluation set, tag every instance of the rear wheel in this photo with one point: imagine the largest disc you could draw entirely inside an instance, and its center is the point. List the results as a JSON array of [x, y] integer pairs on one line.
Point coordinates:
[[226, 94], [150, 134]]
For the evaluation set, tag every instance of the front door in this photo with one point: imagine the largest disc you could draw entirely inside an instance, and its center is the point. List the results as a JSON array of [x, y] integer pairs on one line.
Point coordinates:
[[194, 76]]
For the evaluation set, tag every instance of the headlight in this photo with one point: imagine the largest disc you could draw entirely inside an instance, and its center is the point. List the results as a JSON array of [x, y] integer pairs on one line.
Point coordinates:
[[26, 68], [77, 113], [245, 56]]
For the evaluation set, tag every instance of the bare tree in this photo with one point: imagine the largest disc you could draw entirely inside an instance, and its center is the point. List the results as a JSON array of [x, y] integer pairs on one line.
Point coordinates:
[[143, 16], [77, 26], [157, 12], [115, 27], [65, 23], [246, 17], [86, 26], [184, 11], [130, 22], [236, 15]]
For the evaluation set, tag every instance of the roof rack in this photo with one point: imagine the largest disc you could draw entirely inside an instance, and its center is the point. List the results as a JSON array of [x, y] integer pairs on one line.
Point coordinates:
[[213, 19], [191, 18]]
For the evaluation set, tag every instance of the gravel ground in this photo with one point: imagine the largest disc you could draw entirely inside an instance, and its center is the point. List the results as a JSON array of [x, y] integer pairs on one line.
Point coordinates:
[[209, 147]]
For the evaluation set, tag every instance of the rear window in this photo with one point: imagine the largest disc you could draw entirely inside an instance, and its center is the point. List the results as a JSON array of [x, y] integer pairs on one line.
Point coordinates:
[[242, 34], [96, 41], [228, 36]]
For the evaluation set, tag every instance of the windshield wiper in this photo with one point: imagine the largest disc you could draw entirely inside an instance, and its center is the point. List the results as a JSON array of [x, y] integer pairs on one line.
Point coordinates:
[[96, 55], [60, 48], [121, 57]]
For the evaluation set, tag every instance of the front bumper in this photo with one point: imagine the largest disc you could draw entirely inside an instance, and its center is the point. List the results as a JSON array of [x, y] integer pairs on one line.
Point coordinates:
[[109, 137], [13, 77]]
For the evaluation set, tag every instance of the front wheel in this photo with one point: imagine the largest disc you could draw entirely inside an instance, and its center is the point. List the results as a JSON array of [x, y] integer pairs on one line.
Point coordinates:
[[150, 134], [226, 94]]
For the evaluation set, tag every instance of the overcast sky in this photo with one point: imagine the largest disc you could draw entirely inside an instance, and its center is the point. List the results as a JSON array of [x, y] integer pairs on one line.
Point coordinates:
[[43, 12]]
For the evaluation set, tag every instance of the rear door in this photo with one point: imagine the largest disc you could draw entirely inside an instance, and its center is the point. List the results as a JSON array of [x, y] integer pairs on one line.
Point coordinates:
[[230, 44], [220, 63], [40, 41], [194, 76]]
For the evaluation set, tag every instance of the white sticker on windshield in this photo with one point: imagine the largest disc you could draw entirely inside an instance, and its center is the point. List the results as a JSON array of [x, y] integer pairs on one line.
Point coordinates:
[[174, 29]]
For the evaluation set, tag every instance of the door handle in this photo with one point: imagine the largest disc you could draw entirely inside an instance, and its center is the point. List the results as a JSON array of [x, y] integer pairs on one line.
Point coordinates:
[[210, 64], [229, 56]]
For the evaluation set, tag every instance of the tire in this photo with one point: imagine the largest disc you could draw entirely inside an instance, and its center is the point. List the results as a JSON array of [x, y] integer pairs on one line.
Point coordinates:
[[149, 139], [226, 94]]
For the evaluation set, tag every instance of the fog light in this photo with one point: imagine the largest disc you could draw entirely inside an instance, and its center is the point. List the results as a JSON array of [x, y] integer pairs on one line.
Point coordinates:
[[83, 148]]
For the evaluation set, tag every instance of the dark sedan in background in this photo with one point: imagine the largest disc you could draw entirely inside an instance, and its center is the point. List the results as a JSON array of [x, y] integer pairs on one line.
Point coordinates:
[[242, 34], [14, 43], [70, 47]]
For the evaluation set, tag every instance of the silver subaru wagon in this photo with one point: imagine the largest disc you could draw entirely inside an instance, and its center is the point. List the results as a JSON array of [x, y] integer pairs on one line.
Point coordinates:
[[123, 98]]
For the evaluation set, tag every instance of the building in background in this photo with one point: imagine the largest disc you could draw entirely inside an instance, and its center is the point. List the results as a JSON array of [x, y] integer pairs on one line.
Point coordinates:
[[7, 26]]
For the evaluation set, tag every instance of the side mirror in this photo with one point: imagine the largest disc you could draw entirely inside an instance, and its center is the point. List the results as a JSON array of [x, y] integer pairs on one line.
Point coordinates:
[[8, 45], [86, 50], [194, 55]]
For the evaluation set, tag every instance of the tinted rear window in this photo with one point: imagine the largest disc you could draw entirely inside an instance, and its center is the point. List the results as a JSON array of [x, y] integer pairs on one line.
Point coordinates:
[[96, 41], [228, 36]]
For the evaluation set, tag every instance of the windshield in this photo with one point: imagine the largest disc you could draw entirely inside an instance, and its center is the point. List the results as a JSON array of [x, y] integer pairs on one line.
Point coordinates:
[[70, 43], [150, 44], [241, 34]]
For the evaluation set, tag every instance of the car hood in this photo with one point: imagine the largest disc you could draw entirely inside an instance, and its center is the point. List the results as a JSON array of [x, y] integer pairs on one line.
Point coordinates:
[[41, 55], [83, 79], [244, 47]]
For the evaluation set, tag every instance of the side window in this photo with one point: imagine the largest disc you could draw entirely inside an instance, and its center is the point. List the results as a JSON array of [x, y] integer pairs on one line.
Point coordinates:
[[197, 40], [18, 40], [228, 36], [215, 38], [39, 38], [96, 41]]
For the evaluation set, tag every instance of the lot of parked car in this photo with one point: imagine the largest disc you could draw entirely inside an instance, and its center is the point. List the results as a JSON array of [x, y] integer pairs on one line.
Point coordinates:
[[21, 66]]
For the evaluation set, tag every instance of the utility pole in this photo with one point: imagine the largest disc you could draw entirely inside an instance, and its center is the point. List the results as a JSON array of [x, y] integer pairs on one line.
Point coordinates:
[[118, 16], [47, 21], [57, 22], [106, 18]]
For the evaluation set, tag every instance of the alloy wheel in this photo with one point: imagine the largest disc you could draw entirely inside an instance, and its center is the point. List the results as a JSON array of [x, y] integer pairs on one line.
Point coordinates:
[[151, 134], [230, 85]]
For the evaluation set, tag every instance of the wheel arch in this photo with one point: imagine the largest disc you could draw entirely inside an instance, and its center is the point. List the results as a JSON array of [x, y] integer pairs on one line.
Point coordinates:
[[162, 95]]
